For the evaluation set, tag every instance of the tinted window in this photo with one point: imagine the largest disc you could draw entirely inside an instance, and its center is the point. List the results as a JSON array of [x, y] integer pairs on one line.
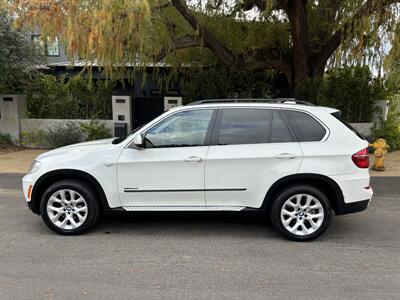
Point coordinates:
[[184, 129], [244, 126], [279, 131], [304, 126]]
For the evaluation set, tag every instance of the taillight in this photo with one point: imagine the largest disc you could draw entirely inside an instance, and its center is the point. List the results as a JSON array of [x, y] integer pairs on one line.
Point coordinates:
[[361, 158]]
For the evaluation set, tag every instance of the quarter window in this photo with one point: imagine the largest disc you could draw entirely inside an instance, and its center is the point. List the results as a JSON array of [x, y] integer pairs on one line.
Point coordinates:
[[279, 131], [304, 126], [244, 126], [183, 129]]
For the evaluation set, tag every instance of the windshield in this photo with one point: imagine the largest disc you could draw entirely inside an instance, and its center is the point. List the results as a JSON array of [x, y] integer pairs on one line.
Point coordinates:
[[123, 138]]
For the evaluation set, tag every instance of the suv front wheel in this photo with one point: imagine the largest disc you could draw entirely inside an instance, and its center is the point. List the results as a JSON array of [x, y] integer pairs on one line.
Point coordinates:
[[69, 207], [301, 213]]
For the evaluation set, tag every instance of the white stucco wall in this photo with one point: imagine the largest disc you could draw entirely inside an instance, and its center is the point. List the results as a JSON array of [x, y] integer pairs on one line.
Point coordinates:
[[363, 128], [12, 109]]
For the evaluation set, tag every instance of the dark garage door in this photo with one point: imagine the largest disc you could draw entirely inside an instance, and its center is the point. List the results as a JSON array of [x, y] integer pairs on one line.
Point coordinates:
[[146, 109]]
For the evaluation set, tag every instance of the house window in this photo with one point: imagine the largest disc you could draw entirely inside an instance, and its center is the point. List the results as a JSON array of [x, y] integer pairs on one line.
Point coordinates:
[[48, 48], [36, 40], [52, 47]]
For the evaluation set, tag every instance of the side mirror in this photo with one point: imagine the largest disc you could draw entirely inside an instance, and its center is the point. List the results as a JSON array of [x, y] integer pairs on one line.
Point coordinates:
[[138, 141]]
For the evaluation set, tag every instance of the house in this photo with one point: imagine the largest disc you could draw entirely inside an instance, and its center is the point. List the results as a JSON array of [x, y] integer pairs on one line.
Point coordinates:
[[137, 102]]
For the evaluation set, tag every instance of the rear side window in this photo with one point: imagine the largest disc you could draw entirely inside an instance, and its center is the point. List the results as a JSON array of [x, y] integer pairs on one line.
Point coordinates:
[[244, 126], [304, 126]]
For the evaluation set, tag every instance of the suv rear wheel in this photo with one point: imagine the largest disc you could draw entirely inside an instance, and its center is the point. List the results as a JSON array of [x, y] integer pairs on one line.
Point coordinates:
[[69, 207], [301, 213]]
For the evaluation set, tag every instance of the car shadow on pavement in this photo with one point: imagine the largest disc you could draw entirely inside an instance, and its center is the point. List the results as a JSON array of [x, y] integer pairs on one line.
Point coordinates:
[[193, 223], [226, 224]]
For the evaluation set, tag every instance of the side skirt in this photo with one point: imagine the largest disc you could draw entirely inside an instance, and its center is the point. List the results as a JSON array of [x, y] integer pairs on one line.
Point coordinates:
[[184, 208]]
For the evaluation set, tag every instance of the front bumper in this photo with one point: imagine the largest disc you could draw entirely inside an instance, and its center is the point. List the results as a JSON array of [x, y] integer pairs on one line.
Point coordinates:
[[26, 185], [28, 182]]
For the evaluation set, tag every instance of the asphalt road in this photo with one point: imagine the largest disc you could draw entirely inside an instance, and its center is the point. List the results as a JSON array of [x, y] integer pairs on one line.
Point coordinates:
[[200, 256]]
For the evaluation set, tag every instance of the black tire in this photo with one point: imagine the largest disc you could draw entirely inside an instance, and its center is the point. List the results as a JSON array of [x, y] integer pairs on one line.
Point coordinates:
[[290, 191], [87, 192]]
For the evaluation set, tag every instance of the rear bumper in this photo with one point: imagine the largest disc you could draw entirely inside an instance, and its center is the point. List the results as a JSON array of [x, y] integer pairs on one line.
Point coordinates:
[[349, 208], [357, 192]]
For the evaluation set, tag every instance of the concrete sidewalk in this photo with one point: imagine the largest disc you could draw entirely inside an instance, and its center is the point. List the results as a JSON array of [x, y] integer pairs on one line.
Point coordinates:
[[19, 161], [392, 164]]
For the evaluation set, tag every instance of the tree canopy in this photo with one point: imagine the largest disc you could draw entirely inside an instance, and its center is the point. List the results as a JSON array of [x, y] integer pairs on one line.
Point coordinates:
[[18, 57], [296, 38], [392, 65]]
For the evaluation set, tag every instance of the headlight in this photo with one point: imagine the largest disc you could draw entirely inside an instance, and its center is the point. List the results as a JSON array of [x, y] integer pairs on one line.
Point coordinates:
[[34, 167]]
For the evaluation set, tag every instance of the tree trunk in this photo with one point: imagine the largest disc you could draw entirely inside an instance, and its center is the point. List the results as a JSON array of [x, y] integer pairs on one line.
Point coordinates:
[[297, 12]]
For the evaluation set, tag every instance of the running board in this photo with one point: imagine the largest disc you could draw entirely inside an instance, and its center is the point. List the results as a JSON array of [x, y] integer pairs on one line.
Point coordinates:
[[183, 208]]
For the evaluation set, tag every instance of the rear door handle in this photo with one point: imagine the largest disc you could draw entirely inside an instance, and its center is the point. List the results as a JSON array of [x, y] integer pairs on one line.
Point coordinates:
[[286, 156], [193, 159]]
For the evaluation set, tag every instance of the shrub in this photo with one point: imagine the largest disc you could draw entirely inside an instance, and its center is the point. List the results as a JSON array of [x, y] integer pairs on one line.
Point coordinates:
[[73, 98], [62, 134], [49, 98], [34, 138], [390, 129], [353, 91], [95, 130], [5, 139]]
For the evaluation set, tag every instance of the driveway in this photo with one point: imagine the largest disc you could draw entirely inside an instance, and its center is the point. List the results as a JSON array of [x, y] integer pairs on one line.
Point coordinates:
[[200, 256]]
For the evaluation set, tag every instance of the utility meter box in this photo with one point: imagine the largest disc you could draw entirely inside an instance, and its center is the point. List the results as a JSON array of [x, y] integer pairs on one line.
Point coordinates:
[[170, 102], [120, 129], [122, 114]]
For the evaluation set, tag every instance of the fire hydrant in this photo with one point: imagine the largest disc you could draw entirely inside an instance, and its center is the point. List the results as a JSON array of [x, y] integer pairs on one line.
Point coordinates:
[[380, 149]]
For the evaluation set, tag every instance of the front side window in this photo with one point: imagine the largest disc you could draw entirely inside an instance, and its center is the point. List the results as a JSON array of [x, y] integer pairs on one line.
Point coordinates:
[[183, 129], [304, 126], [244, 126]]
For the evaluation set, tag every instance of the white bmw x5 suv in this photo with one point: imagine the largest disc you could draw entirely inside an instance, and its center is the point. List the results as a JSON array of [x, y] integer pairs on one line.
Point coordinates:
[[298, 162]]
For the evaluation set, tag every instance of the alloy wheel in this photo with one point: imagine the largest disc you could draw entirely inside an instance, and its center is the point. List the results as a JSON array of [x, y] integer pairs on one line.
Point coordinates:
[[302, 214], [67, 209]]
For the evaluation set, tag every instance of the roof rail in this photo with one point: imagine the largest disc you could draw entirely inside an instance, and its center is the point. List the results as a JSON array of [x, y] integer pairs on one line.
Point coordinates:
[[276, 100]]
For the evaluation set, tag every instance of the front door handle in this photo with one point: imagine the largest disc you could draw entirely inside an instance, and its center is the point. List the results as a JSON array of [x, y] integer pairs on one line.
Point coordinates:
[[193, 159], [286, 156]]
